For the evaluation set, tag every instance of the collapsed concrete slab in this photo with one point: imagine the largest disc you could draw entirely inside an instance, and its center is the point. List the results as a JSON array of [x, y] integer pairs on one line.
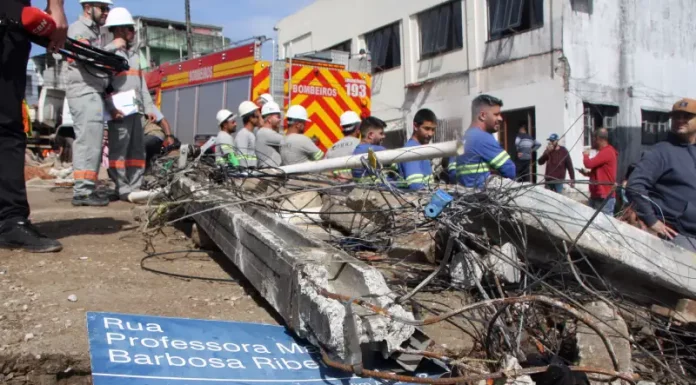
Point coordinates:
[[553, 220], [290, 269]]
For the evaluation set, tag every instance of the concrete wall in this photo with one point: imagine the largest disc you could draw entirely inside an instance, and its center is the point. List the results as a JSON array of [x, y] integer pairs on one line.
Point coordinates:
[[635, 54]]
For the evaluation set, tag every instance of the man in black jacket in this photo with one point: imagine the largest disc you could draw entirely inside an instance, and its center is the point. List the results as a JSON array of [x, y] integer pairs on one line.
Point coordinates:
[[663, 185], [16, 232]]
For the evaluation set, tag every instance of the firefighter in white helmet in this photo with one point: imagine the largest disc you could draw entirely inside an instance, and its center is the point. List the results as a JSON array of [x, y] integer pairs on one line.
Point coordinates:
[[129, 105], [298, 148], [224, 143], [84, 91], [269, 138], [245, 140], [263, 99], [350, 124]]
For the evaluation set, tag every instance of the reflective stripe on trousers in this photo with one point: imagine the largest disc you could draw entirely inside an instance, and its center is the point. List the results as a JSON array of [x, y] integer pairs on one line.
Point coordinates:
[[127, 153], [88, 122]]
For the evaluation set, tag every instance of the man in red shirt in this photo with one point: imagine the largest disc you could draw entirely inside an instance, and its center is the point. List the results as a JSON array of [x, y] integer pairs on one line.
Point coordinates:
[[602, 172]]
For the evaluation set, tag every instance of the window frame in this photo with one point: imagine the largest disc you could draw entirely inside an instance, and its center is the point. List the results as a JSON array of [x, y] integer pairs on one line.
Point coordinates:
[[446, 40], [506, 28], [393, 28], [654, 127]]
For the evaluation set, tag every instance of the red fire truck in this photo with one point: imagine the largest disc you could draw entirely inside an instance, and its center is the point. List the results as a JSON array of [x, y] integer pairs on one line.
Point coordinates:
[[190, 93]]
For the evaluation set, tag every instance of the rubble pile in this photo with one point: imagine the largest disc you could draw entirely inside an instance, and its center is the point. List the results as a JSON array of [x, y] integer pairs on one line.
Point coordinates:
[[554, 290]]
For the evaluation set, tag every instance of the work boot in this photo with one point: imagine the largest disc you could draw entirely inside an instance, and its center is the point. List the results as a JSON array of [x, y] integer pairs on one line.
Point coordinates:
[[94, 200], [22, 235], [109, 194]]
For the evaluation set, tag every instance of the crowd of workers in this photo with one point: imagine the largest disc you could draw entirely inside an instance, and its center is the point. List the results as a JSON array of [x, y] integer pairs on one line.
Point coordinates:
[[661, 189]]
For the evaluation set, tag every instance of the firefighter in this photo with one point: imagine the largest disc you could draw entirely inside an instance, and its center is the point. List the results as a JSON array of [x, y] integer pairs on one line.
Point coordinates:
[[350, 123], [245, 140], [371, 138], [482, 152], [263, 99], [269, 139], [418, 174], [16, 231], [126, 134], [224, 144], [85, 90], [297, 147]]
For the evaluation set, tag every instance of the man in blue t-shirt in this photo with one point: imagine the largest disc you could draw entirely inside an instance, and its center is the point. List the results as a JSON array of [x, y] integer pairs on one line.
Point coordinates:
[[482, 152], [371, 137], [418, 174]]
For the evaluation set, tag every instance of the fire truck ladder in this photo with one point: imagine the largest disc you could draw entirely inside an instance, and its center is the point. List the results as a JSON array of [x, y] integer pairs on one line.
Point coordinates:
[[278, 82]]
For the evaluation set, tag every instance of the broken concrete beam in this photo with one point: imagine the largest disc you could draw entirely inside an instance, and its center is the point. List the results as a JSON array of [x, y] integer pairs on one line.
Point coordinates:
[[504, 263], [344, 219], [415, 247], [553, 219], [290, 270], [378, 206], [592, 351]]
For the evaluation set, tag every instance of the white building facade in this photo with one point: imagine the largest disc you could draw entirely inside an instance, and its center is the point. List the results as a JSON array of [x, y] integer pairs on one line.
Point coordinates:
[[560, 66]]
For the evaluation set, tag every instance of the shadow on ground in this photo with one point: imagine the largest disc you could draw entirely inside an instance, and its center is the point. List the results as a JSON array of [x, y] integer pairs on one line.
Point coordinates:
[[81, 226]]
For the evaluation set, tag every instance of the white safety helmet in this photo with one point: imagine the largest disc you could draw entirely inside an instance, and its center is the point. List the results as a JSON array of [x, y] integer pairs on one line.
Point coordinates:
[[109, 2], [349, 119], [119, 16], [270, 108], [297, 113], [267, 98], [224, 115], [247, 107]]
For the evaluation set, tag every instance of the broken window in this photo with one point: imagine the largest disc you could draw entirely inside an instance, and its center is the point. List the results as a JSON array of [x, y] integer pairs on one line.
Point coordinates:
[[344, 47], [598, 116], [384, 45], [508, 17], [655, 127], [441, 29]]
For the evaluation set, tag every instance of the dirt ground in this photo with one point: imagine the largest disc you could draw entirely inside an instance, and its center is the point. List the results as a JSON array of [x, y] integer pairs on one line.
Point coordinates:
[[44, 298]]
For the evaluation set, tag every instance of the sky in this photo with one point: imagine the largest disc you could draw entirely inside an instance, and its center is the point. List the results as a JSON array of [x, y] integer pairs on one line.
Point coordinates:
[[240, 19]]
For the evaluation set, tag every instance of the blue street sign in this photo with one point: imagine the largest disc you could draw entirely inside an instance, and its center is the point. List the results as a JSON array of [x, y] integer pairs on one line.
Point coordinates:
[[139, 350]]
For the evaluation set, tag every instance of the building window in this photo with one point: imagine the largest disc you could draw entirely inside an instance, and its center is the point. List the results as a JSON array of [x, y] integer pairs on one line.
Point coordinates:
[[508, 17], [582, 6], [384, 45], [598, 116], [655, 127], [441, 29], [343, 47]]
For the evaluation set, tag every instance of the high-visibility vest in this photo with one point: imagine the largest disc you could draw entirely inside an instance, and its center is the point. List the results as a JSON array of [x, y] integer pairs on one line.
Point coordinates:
[[26, 119]]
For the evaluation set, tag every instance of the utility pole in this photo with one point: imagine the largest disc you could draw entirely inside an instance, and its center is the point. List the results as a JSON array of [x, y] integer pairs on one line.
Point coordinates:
[[189, 34]]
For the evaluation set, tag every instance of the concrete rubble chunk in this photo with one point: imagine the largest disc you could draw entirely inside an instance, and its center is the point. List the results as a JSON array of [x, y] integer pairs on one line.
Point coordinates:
[[290, 270], [504, 262], [343, 218], [301, 201], [465, 269], [687, 307], [376, 205], [416, 247], [511, 364], [592, 351], [253, 185], [552, 219]]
